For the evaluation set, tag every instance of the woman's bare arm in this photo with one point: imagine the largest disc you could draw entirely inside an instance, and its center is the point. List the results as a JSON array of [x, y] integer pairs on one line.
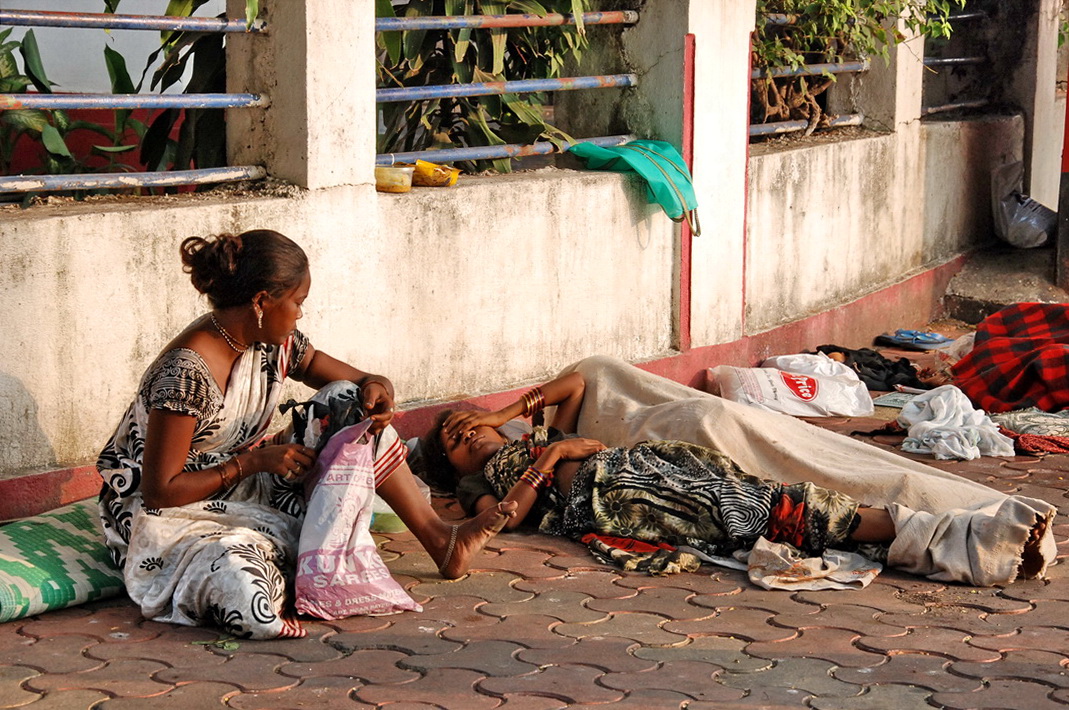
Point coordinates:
[[167, 443], [565, 392], [319, 369], [554, 455]]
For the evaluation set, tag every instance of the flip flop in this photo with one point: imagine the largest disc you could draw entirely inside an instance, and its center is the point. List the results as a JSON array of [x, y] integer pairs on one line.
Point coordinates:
[[914, 340]]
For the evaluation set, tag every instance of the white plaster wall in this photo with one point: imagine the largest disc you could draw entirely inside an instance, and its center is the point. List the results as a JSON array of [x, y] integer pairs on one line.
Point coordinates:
[[1049, 112], [460, 290], [481, 287], [826, 223], [830, 222], [960, 158]]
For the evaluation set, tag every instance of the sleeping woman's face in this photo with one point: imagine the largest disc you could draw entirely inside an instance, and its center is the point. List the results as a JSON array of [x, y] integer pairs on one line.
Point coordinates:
[[469, 451]]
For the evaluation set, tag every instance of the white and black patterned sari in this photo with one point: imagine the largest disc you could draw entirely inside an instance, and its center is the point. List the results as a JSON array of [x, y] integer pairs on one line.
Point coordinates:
[[677, 493], [221, 561]]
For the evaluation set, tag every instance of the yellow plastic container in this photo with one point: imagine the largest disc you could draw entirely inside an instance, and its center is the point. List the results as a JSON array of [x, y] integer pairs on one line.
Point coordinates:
[[395, 179], [434, 175]]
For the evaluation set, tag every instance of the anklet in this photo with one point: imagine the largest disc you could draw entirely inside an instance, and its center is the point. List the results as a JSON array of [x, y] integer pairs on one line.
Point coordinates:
[[449, 550]]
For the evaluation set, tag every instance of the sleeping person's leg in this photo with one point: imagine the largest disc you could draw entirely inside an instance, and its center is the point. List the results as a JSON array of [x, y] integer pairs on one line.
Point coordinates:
[[452, 547], [876, 525]]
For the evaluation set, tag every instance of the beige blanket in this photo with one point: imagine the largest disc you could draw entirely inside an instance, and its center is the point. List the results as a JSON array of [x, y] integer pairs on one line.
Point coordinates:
[[948, 528]]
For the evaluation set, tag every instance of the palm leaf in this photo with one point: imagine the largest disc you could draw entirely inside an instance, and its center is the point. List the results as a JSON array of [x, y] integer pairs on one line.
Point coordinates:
[[54, 142], [391, 40], [31, 57]]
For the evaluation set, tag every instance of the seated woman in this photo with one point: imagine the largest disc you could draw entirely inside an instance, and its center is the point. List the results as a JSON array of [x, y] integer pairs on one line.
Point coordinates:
[[200, 508], [704, 497]]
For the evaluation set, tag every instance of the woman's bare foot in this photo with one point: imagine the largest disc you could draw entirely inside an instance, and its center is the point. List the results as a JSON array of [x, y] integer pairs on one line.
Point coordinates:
[[1031, 557], [471, 536]]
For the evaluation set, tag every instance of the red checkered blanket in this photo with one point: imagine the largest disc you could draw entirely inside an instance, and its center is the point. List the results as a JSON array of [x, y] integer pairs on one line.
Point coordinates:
[[1020, 359]]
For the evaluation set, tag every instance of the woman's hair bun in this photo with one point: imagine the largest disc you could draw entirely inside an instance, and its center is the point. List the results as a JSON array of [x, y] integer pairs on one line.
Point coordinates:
[[210, 262], [231, 268]]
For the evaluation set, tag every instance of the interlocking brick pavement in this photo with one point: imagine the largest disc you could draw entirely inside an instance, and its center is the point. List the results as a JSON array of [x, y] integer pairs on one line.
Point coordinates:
[[541, 624]]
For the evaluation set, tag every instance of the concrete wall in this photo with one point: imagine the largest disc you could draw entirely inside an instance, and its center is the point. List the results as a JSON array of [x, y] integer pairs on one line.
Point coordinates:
[[831, 221], [499, 281]]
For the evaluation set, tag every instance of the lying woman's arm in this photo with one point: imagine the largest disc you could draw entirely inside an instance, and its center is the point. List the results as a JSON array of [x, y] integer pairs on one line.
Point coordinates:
[[565, 392], [560, 459]]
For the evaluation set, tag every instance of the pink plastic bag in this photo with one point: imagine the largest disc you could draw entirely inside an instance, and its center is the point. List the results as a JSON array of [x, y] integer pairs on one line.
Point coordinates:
[[339, 570]]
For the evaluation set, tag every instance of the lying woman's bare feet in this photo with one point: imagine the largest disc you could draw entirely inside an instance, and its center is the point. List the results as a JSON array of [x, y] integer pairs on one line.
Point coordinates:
[[1031, 556], [471, 536]]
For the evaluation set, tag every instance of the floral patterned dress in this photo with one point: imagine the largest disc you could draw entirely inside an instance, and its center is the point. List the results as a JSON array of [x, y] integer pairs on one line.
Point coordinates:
[[223, 561], [677, 493]]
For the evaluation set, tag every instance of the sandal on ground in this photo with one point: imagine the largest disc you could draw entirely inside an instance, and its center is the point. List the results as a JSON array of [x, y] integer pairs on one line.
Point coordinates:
[[914, 340]]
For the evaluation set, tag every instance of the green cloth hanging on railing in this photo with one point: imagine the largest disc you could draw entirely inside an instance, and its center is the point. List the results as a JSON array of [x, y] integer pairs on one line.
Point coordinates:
[[668, 180]]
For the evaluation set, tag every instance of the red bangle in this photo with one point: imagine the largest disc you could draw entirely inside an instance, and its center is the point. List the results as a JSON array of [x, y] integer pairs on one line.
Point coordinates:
[[536, 479], [533, 401]]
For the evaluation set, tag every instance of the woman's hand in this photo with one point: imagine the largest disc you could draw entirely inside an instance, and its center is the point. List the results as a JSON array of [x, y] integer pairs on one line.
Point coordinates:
[[378, 404], [291, 461], [577, 449], [461, 422]]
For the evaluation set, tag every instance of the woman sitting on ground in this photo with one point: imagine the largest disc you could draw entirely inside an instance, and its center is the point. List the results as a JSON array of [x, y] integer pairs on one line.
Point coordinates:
[[200, 508], [672, 492]]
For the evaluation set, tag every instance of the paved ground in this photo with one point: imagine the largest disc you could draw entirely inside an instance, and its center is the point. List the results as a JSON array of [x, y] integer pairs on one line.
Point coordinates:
[[540, 624]]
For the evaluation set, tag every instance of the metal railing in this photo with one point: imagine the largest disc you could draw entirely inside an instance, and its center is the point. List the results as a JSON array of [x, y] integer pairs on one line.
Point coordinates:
[[934, 64], [105, 21], [127, 180], [492, 152], [780, 127]]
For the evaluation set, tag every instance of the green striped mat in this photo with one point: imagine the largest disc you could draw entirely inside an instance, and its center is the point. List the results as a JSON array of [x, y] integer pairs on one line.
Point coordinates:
[[55, 560]]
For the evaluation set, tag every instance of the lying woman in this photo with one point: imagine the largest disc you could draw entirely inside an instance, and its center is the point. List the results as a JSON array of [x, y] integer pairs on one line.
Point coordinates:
[[652, 487]]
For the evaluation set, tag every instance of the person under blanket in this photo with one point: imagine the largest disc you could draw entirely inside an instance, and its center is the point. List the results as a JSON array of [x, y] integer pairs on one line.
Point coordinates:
[[1019, 359], [652, 491]]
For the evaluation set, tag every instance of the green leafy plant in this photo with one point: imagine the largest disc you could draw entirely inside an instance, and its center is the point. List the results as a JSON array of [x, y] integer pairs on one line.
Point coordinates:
[[831, 31], [201, 141], [429, 57], [52, 129]]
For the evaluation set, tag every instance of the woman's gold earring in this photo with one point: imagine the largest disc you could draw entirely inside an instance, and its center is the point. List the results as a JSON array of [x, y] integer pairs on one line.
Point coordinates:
[[259, 317]]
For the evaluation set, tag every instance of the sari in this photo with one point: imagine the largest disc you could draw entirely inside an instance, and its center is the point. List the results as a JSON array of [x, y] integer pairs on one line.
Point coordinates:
[[225, 561], [677, 493]]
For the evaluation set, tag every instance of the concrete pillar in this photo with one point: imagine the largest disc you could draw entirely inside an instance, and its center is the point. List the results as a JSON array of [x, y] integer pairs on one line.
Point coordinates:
[[889, 94], [317, 65], [654, 50], [721, 147], [1034, 88]]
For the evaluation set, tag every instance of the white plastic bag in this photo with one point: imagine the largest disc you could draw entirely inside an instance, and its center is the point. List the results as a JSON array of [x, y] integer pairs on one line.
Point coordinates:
[[795, 393], [339, 570]]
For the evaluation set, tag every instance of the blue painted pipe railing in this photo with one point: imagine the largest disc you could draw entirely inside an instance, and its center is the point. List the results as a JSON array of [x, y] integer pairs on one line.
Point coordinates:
[[451, 22], [965, 16], [779, 19], [119, 181], [438, 91], [944, 108], [811, 70], [489, 152], [131, 101], [952, 61], [34, 18], [781, 127]]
